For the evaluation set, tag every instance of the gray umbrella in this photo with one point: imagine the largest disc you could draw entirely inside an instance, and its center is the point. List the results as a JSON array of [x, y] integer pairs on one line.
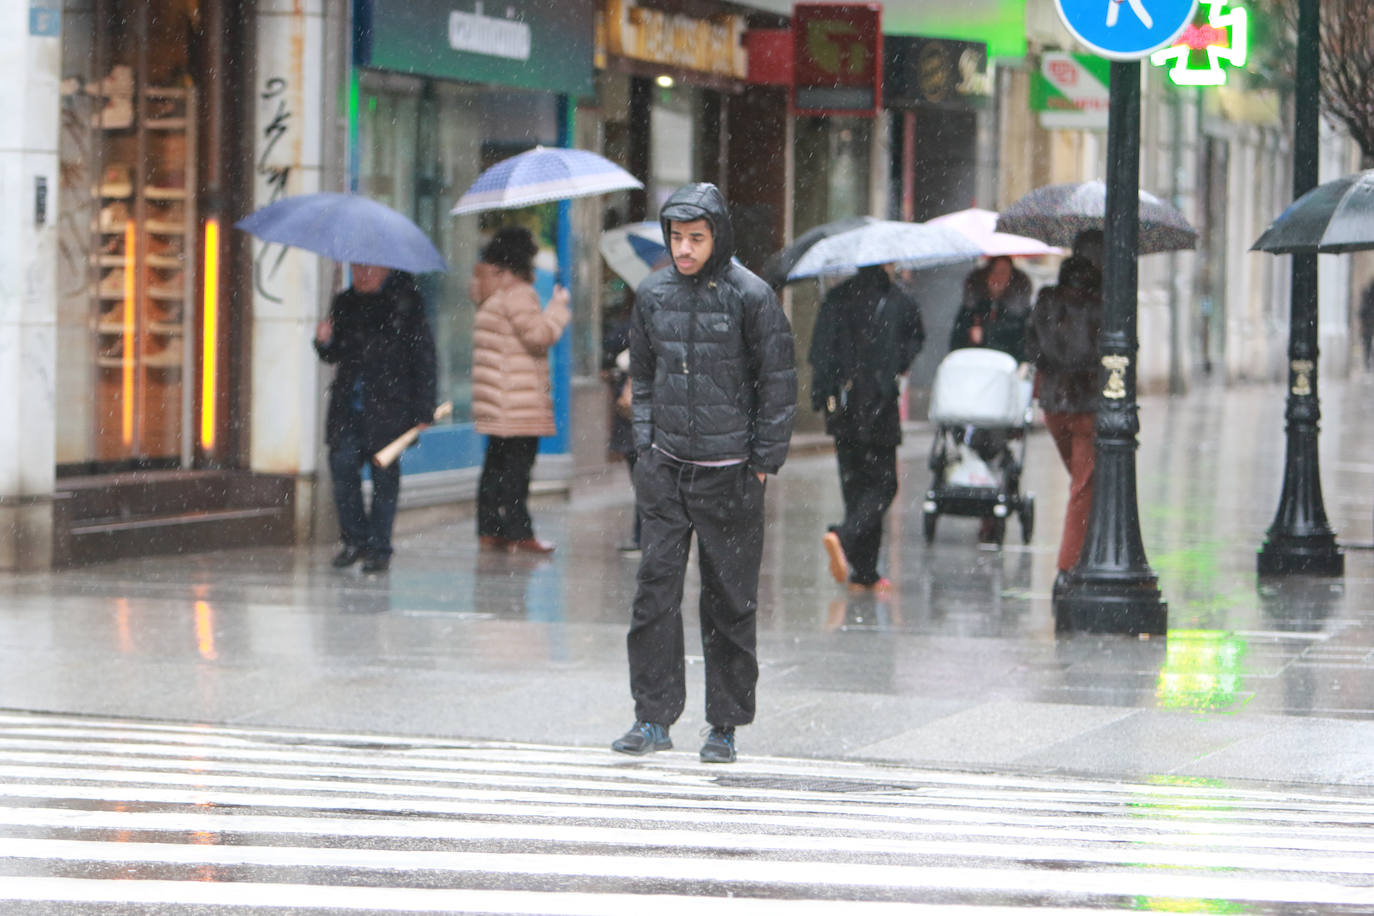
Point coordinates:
[[780, 264], [1331, 218], [1056, 214], [908, 245]]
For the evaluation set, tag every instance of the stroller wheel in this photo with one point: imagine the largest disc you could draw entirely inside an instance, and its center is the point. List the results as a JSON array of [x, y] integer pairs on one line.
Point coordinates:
[[1027, 515], [999, 530], [928, 521]]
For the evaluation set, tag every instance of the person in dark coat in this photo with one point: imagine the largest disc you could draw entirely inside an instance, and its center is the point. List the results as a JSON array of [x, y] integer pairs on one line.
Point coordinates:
[[994, 309], [378, 338], [714, 392], [867, 333], [1062, 342], [615, 348]]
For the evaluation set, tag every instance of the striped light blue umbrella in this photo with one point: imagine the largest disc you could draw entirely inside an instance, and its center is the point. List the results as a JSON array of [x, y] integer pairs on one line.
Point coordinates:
[[543, 174]]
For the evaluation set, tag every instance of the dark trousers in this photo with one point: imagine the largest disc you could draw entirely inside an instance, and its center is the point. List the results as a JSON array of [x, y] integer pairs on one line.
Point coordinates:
[[368, 531], [504, 488], [868, 482], [724, 506]]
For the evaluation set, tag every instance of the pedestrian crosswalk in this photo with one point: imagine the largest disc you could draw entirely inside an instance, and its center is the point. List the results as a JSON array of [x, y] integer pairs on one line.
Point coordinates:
[[103, 815]]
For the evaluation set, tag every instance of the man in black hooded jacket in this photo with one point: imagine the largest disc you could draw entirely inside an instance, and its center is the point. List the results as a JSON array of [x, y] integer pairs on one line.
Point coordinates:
[[714, 392], [867, 333]]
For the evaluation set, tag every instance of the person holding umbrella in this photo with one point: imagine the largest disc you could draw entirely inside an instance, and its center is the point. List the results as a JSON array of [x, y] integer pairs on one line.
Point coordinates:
[[511, 403], [378, 338], [1062, 342], [867, 333]]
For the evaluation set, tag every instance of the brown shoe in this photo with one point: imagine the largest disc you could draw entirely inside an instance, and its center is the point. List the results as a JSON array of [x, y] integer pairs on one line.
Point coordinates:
[[492, 542], [532, 545], [839, 566]]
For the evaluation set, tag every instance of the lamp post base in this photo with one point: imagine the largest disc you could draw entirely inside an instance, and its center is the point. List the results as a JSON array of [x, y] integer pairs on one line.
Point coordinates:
[[1317, 555], [1129, 606]]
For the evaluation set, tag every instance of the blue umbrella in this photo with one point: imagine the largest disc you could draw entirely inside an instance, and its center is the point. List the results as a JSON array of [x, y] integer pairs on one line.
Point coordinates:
[[543, 174], [346, 227]]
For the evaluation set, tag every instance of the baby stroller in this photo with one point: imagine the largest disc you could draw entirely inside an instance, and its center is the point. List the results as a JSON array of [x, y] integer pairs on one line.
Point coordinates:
[[981, 408]]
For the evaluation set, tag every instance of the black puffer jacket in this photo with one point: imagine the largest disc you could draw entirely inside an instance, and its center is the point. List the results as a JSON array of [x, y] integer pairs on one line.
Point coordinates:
[[867, 333], [382, 338], [711, 355]]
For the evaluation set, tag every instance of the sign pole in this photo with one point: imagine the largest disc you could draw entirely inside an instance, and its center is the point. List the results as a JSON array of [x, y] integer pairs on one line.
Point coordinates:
[[1300, 540], [1112, 589]]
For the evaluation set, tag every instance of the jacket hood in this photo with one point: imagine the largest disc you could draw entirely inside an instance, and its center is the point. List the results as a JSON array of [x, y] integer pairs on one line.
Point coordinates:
[[702, 200]]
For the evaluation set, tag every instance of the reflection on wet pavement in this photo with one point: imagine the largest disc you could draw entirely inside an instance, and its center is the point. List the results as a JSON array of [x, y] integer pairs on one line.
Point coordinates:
[[959, 665]]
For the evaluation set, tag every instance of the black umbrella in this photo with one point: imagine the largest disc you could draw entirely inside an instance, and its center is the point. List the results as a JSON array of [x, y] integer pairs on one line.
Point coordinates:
[[1056, 213], [1331, 218], [780, 264]]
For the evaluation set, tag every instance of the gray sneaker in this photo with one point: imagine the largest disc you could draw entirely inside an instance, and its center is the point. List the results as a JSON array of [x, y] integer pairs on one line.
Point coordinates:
[[643, 738], [720, 745]]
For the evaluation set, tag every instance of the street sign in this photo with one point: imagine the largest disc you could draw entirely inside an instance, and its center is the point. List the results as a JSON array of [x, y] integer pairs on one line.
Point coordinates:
[[1126, 29]]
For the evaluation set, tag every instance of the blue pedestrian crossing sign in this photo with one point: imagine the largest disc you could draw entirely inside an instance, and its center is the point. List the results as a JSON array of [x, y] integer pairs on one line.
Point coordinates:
[[1126, 29]]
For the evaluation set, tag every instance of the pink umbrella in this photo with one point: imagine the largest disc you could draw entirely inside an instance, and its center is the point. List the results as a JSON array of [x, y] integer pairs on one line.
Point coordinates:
[[980, 226]]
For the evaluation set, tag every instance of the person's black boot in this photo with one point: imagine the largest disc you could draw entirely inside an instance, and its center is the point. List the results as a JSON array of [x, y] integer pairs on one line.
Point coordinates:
[[377, 563], [643, 738], [346, 557], [720, 745]]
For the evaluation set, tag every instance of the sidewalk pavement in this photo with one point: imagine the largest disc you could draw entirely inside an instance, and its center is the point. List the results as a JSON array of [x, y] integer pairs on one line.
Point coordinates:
[[960, 668]]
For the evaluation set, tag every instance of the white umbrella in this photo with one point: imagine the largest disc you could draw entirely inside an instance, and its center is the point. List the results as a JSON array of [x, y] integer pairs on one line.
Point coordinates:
[[980, 226], [634, 251], [908, 245], [543, 174]]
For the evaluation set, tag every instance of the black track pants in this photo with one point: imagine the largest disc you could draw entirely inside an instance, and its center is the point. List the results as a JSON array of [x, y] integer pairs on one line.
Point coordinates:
[[868, 481], [724, 506]]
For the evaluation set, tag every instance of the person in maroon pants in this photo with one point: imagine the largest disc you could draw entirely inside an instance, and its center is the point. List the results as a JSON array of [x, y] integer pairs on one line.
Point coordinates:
[[1061, 341]]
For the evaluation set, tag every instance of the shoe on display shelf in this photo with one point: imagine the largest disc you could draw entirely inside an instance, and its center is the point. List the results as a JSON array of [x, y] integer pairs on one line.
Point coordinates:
[[112, 284], [114, 217], [115, 182], [169, 357], [173, 287]]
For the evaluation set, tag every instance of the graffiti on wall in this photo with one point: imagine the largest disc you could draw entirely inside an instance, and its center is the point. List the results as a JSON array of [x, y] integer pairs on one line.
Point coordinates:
[[269, 260]]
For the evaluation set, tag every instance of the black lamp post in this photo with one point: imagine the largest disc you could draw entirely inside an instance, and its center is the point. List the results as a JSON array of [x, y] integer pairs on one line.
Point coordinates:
[[1300, 540], [1112, 589]]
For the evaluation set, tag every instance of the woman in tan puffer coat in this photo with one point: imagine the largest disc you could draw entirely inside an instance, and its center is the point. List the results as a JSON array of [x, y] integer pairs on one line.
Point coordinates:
[[511, 400]]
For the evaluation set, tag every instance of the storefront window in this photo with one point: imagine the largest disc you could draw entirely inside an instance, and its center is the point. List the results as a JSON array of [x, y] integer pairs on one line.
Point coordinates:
[[128, 236], [421, 143]]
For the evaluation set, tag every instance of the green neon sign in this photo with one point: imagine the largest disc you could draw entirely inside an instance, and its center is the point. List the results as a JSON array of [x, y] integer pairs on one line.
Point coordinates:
[[1208, 47]]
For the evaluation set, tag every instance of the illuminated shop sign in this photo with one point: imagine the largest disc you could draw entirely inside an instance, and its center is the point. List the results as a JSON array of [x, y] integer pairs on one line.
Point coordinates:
[[837, 58], [1217, 40], [711, 45]]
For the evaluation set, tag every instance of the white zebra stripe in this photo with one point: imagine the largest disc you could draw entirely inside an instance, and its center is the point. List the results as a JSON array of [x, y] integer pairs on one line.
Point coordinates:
[[662, 829], [1030, 846], [444, 900], [720, 872]]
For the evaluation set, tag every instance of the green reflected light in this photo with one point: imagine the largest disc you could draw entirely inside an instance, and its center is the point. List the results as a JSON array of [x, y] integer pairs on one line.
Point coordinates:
[[1201, 671]]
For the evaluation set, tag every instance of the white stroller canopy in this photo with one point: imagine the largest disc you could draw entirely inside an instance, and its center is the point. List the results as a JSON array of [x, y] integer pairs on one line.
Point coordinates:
[[978, 386]]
